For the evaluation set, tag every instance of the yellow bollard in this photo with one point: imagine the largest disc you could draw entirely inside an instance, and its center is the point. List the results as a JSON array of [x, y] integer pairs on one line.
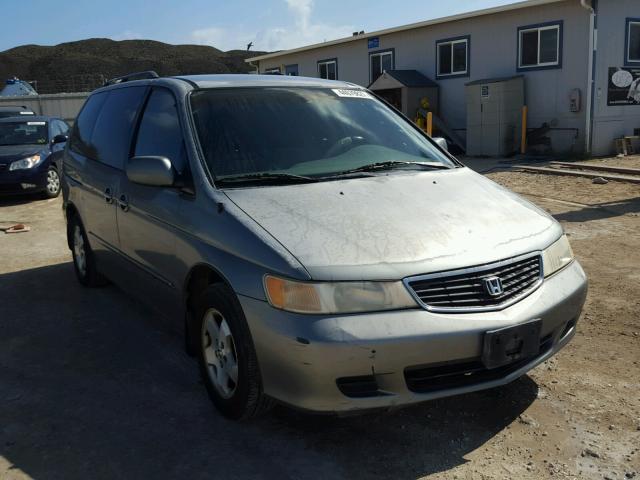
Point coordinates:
[[430, 124], [523, 143]]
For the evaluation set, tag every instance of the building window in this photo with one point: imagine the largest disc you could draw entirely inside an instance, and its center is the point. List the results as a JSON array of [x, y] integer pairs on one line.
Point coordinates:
[[379, 62], [291, 70], [540, 46], [632, 52], [328, 69], [272, 71], [452, 57]]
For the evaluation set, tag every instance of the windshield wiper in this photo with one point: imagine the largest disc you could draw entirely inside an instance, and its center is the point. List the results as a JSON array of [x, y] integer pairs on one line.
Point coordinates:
[[272, 178], [373, 167]]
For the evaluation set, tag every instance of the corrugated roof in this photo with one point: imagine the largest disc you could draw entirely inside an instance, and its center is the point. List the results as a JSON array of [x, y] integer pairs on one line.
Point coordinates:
[[411, 26]]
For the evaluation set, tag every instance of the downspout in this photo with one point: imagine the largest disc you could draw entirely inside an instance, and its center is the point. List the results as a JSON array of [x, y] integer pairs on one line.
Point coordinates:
[[255, 66], [591, 69]]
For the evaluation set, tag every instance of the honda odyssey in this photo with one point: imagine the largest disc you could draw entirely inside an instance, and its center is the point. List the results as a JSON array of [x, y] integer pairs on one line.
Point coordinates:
[[311, 244]]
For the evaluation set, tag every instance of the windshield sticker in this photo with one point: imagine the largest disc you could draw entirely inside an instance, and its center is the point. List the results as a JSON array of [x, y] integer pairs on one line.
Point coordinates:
[[343, 92], [37, 123]]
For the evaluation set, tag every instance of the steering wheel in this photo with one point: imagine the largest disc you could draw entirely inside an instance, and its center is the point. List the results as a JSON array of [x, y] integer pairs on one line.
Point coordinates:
[[344, 144]]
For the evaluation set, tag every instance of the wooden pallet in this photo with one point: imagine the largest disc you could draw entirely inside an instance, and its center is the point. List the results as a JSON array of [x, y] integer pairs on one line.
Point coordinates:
[[578, 173], [601, 168]]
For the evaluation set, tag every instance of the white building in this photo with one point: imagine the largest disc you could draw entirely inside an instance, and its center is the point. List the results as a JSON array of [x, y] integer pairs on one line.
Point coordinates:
[[580, 61]]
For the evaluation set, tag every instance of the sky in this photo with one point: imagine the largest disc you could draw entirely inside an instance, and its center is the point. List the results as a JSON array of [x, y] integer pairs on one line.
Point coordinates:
[[231, 24]]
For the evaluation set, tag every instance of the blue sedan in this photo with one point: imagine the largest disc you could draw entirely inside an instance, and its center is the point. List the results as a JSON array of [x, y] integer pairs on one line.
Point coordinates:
[[31, 154]]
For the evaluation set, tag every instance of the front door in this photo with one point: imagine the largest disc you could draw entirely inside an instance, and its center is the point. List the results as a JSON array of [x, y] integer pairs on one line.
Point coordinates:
[[148, 216]]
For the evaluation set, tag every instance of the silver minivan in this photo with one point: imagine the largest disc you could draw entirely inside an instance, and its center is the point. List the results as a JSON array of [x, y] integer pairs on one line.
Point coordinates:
[[312, 245]]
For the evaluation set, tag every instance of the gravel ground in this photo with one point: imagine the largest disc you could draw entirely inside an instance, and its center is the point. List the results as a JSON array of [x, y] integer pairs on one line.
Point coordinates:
[[92, 387]]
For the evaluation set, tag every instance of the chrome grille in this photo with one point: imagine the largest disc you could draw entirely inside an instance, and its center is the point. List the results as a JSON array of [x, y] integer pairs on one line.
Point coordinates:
[[466, 290]]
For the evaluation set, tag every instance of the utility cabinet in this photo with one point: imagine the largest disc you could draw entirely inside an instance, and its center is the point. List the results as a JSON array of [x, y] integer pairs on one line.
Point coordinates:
[[494, 116]]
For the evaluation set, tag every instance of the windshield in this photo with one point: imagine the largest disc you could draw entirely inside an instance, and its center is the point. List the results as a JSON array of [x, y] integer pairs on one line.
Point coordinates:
[[23, 133], [306, 132]]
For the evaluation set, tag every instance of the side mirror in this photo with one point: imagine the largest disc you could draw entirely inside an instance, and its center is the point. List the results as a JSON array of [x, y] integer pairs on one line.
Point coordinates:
[[152, 171], [60, 138], [442, 143]]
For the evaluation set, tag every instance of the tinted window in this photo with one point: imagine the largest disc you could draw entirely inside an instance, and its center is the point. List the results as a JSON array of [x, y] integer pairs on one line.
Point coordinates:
[[540, 46], [111, 136], [460, 57], [160, 132], [445, 59], [549, 46], [83, 127], [529, 48], [633, 54], [328, 70]]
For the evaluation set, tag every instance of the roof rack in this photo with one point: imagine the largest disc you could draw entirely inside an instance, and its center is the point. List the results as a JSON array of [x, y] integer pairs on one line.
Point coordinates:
[[24, 107], [132, 76]]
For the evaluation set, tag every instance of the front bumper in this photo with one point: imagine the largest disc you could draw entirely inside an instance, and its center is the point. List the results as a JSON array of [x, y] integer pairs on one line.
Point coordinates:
[[303, 359], [23, 181]]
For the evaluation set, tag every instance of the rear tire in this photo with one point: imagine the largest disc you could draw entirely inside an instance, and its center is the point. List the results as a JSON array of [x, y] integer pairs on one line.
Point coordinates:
[[227, 358], [84, 262]]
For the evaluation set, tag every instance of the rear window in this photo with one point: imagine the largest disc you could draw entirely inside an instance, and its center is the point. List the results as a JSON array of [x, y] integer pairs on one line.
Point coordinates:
[[111, 137], [84, 124]]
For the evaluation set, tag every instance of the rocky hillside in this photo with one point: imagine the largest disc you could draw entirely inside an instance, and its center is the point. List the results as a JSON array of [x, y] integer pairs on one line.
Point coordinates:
[[83, 65]]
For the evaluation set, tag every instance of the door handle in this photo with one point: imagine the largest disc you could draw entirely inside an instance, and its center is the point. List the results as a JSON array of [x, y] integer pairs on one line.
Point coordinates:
[[123, 202], [108, 196]]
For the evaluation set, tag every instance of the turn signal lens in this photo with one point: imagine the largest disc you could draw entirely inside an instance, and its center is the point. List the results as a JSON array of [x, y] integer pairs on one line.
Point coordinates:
[[336, 297], [294, 296]]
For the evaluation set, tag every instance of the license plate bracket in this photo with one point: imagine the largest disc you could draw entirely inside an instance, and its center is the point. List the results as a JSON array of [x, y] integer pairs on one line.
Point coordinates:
[[511, 344]]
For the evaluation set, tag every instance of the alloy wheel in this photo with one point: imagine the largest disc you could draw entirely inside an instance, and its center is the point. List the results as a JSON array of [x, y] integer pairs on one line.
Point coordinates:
[[219, 353], [53, 182]]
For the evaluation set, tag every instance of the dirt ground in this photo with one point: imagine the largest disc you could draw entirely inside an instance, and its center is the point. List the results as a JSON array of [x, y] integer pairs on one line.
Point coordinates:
[[92, 387]]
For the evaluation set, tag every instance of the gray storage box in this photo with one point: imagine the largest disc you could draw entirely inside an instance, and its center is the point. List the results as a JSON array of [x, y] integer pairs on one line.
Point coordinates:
[[494, 116]]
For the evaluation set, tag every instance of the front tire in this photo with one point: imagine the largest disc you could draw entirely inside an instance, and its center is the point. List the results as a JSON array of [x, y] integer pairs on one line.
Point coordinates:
[[52, 187], [227, 358]]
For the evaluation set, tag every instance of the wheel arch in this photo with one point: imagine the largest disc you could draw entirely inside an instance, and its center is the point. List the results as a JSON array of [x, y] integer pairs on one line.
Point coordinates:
[[197, 280], [70, 211]]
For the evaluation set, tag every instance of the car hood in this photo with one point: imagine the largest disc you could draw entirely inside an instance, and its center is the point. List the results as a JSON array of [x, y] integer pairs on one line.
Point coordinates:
[[392, 226], [11, 153]]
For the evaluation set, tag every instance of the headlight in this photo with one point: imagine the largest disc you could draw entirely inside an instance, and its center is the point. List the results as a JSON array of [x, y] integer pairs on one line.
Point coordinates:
[[25, 163], [336, 297], [557, 256]]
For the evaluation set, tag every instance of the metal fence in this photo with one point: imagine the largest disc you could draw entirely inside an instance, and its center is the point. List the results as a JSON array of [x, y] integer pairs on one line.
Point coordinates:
[[68, 83], [62, 105]]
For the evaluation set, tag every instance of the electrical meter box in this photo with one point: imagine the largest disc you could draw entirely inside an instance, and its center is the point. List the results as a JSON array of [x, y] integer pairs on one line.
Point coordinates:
[[494, 116]]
